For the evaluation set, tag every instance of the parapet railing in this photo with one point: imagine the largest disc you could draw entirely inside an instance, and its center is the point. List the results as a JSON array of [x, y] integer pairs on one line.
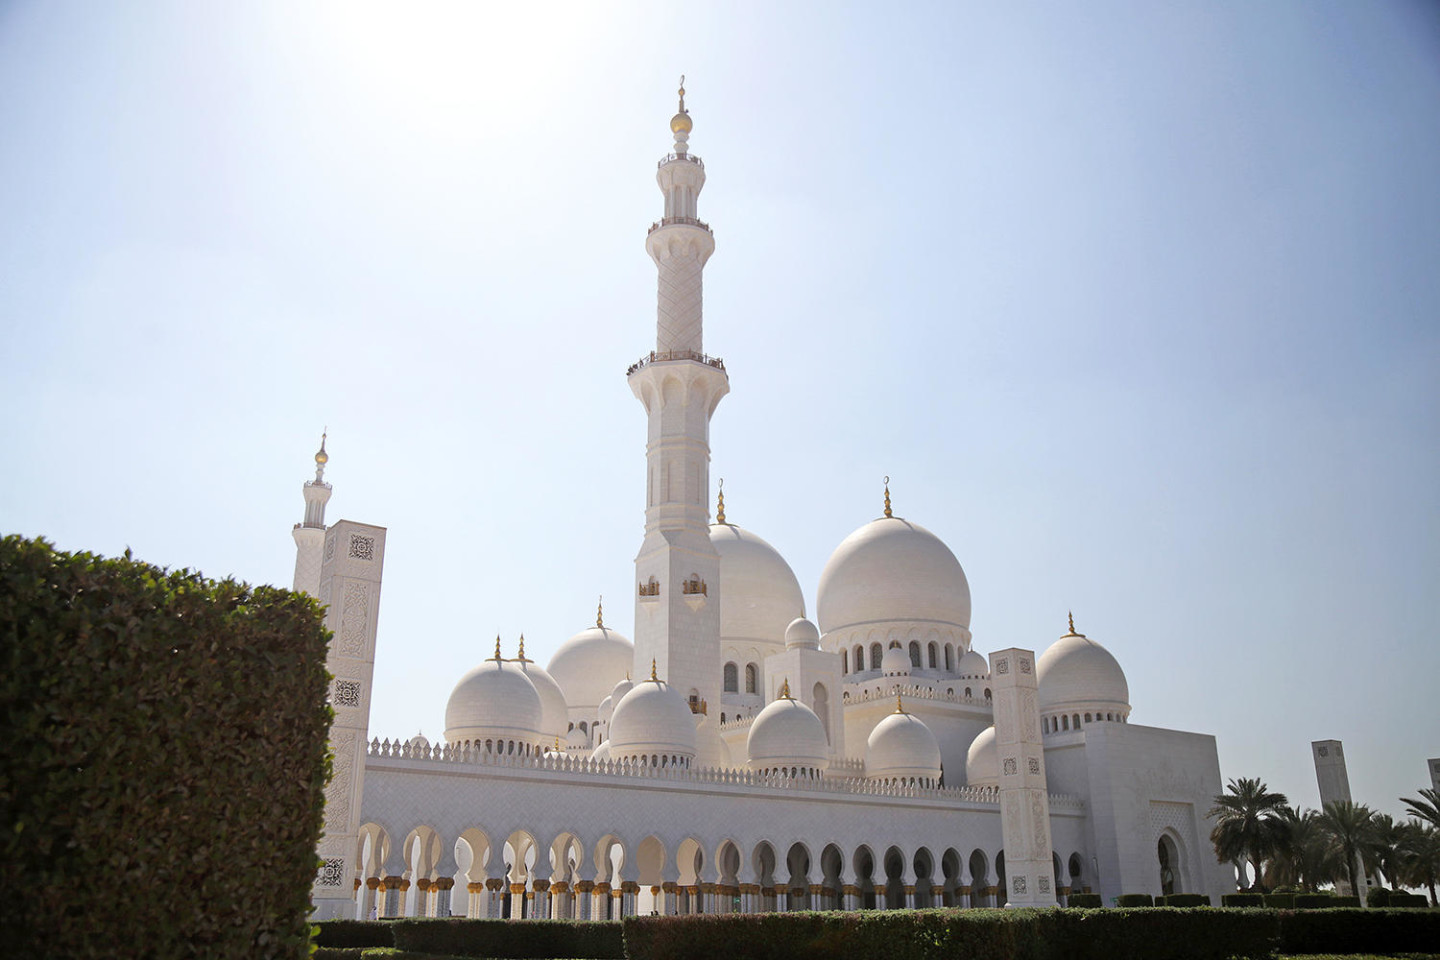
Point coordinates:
[[909, 691], [658, 356], [682, 157], [687, 221], [467, 754]]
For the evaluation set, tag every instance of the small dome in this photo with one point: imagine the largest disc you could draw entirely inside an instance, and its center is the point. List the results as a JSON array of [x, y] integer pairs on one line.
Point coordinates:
[[590, 663], [761, 595], [576, 739], [652, 720], [1076, 671], [982, 762], [895, 663], [802, 634], [554, 713], [496, 700], [786, 734], [617, 693], [681, 123], [601, 754], [892, 569], [418, 742], [902, 747], [974, 665]]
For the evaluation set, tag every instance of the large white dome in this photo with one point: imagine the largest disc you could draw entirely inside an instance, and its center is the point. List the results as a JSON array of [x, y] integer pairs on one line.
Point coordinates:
[[494, 701], [554, 714], [892, 569], [902, 747], [590, 663], [982, 762], [1078, 672], [654, 721], [787, 734], [759, 593]]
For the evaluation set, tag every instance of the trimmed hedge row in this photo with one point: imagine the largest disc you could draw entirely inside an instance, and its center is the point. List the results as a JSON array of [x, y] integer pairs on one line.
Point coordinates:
[[355, 933], [164, 759], [1083, 900], [1323, 901], [518, 939], [1352, 930], [1163, 933], [1183, 900], [1135, 900]]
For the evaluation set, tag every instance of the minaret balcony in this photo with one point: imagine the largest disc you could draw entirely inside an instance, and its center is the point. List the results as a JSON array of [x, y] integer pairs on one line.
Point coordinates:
[[655, 356], [680, 158], [686, 221]]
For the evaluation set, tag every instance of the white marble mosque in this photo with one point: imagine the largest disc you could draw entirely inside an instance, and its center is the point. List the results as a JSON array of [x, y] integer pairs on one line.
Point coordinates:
[[737, 754]]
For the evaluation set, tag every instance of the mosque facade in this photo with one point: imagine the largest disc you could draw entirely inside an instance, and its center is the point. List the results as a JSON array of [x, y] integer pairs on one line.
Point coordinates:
[[738, 755]]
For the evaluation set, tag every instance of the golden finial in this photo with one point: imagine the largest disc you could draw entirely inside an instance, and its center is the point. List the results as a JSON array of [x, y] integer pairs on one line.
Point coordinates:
[[681, 124], [887, 498], [720, 510], [321, 457], [652, 670], [682, 93], [899, 707], [521, 658], [1072, 622], [557, 743], [497, 648], [785, 690], [600, 612]]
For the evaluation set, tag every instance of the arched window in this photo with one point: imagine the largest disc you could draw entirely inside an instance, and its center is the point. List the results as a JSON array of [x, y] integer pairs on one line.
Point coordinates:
[[1087, 718], [732, 678], [752, 678], [949, 658], [1044, 724], [859, 659], [583, 728], [569, 728], [1065, 722], [1077, 721], [915, 654], [844, 661], [967, 693], [987, 693], [933, 656], [875, 654]]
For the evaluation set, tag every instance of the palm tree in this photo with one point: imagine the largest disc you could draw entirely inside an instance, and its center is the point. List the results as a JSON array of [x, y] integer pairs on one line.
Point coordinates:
[[1426, 808], [1386, 840], [1249, 825], [1304, 859], [1350, 827], [1420, 857]]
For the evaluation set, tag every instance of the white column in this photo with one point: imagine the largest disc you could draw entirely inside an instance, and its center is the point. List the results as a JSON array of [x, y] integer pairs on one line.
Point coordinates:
[[1024, 798]]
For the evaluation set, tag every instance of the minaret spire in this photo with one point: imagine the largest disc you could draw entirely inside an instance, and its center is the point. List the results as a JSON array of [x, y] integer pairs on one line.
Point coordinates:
[[309, 534]]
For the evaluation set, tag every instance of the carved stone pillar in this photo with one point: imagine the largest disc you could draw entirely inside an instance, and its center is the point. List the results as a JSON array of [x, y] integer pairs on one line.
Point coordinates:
[[670, 907], [851, 895], [584, 900], [909, 896], [601, 907], [1024, 798], [540, 894]]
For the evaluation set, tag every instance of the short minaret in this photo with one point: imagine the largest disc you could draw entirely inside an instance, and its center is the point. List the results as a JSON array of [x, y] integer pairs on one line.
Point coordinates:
[[1024, 797], [310, 534], [677, 608]]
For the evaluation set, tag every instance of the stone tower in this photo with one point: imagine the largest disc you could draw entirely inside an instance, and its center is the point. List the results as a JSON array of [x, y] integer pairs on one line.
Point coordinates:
[[677, 571]]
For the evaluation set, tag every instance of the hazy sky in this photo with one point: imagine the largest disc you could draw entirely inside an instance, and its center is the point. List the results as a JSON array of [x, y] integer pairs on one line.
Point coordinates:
[[1136, 304]]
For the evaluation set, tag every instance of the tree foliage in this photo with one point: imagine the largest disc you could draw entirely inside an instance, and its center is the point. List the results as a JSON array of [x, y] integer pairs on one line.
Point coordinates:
[[1250, 825]]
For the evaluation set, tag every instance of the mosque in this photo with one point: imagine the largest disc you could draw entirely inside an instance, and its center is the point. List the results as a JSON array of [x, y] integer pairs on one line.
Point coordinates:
[[738, 755]]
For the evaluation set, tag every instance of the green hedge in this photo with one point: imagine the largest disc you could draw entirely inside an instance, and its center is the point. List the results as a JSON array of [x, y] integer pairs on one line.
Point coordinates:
[[355, 933], [1353, 930], [1153, 933], [1083, 900], [1280, 901], [1242, 900], [163, 763], [1134, 900], [601, 939], [1183, 900]]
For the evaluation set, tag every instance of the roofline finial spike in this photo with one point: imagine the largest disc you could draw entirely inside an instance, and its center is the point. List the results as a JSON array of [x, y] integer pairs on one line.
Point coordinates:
[[497, 648], [321, 457], [652, 670], [682, 93], [600, 612], [521, 657], [785, 690], [899, 706], [1072, 622], [887, 498], [720, 508]]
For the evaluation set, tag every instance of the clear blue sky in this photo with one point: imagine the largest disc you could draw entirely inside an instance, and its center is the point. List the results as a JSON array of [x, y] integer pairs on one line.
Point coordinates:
[[1136, 303]]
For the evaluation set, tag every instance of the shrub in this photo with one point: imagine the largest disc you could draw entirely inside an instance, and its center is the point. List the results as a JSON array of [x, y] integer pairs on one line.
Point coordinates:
[[1135, 900], [1377, 897], [1085, 900], [1183, 900], [1242, 900], [355, 933], [1280, 901], [893, 934], [1314, 901], [338, 953], [165, 743], [1351, 930], [1399, 898], [511, 938], [1163, 933]]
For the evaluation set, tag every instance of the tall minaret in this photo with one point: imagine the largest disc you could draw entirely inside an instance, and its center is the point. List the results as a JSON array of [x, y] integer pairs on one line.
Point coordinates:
[[677, 609], [310, 534]]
